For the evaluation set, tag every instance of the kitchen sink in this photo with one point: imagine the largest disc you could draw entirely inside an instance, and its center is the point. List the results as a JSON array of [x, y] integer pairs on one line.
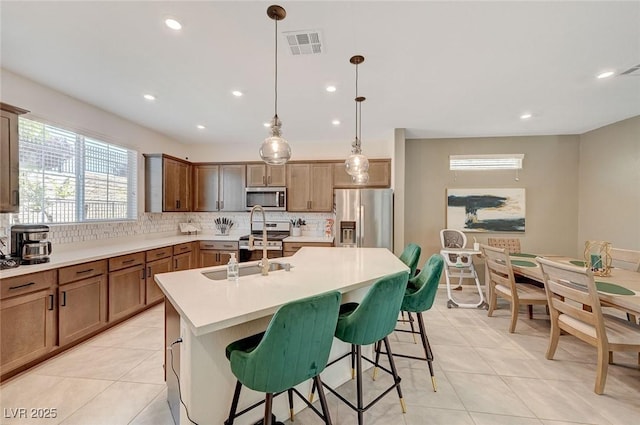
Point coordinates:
[[246, 270]]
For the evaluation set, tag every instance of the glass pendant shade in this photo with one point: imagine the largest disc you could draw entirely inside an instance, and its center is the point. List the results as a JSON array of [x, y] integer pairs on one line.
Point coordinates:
[[275, 150], [356, 164], [362, 178]]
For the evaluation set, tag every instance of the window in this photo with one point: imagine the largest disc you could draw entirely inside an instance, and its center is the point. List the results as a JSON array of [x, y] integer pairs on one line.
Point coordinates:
[[66, 177], [486, 162]]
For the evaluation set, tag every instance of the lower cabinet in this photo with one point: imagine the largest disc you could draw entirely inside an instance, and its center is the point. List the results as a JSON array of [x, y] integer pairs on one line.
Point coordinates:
[[183, 256], [127, 282], [291, 248], [158, 261], [82, 300], [216, 253], [27, 319]]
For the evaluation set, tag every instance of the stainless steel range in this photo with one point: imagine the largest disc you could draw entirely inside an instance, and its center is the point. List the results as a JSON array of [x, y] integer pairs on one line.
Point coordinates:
[[277, 231]]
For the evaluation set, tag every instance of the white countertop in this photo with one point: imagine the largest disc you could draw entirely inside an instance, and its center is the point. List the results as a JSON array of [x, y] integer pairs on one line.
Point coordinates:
[[209, 305], [309, 239], [110, 248]]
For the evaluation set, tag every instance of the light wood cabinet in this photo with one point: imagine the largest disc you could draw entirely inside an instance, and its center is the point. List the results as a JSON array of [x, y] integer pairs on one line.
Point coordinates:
[[9, 161], [27, 319], [216, 253], [126, 285], [183, 256], [266, 175], [167, 184], [82, 300], [310, 187], [379, 175], [157, 261], [291, 248], [218, 187]]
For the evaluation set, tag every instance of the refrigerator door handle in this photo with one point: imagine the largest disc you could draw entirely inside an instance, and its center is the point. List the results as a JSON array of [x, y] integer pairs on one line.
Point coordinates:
[[362, 224]]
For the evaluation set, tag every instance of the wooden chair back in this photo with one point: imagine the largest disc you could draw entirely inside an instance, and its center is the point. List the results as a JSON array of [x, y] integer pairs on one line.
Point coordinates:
[[625, 259], [499, 270], [511, 245], [571, 292]]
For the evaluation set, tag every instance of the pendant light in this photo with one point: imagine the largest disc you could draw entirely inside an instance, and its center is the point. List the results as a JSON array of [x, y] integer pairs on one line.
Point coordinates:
[[357, 165], [275, 150]]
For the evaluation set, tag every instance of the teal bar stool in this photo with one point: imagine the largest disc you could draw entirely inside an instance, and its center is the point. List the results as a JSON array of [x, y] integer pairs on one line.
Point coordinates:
[[419, 297], [410, 257], [366, 323], [294, 348]]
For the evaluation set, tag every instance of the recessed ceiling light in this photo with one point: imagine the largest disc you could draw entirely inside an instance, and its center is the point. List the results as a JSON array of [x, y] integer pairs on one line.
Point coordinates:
[[201, 127], [335, 122], [173, 24], [331, 89], [236, 93], [525, 116], [149, 97], [605, 74], [267, 124]]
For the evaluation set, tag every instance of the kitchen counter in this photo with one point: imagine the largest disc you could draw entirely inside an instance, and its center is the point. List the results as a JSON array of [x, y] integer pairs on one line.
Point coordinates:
[[309, 239], [209, 314], [110, 248]]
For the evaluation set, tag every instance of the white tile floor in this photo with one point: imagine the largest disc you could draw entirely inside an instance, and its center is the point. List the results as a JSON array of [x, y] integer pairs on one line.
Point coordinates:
[[485, 375]]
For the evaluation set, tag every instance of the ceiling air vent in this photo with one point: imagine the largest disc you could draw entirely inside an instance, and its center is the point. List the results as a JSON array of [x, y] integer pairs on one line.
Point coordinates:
[[306, 42], [633, 71]]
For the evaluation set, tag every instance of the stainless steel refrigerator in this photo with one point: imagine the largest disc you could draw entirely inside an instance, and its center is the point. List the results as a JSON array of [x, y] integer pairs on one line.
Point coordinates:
[[364, 218]]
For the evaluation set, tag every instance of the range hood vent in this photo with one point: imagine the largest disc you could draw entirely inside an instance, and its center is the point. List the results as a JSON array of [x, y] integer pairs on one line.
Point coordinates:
[[304, 42]]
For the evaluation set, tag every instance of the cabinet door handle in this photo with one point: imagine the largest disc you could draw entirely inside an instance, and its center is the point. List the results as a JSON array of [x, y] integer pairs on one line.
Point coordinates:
[[24, 285], [175, 263], [16, 198], [263, 180], [50, 302], [217, 205], [64, 299], [221, 205], [143, 274], [269, 180]]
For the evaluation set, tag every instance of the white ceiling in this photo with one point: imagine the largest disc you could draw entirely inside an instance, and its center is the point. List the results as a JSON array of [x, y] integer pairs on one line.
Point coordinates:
[[438, 69]]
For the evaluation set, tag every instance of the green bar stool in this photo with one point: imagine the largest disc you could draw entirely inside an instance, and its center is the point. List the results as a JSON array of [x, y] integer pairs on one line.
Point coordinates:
[[295, 347], [367, 323], [419, 297], [410, 257]]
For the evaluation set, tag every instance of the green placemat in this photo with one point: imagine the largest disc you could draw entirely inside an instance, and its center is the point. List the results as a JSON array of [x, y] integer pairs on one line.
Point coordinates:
[[522, 254], [612, 288], [577, 263], [523, 263]]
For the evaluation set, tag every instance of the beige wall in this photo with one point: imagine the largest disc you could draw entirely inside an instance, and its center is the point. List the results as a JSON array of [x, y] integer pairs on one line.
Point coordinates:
[[609, 206], [549, 176]]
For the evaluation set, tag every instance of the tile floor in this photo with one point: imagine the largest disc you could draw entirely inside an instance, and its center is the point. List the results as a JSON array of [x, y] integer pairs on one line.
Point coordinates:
[[485, 376]]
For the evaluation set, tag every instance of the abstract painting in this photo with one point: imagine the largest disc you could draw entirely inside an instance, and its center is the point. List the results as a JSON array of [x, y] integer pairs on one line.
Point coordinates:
[[486, 210]]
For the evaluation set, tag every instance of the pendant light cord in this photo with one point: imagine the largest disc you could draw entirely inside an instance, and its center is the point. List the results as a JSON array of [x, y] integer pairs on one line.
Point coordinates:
[[276, 67]]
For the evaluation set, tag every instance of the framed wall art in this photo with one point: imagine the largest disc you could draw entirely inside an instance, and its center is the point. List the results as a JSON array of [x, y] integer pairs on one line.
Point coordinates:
[[486, 210]]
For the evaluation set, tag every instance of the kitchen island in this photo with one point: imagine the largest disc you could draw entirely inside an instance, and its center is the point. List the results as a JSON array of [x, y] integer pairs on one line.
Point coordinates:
[[209, 314]]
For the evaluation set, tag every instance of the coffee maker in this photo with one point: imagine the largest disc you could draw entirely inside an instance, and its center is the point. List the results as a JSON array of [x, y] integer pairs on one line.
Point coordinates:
[[28, 242]]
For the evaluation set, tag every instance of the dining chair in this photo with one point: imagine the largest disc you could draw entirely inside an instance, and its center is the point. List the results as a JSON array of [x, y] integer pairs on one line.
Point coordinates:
[[511, 245], [569, 288], [502, 283], [625, 259]]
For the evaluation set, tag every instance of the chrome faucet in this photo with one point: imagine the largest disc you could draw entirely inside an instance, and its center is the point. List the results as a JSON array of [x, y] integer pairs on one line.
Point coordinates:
[[264, 263]]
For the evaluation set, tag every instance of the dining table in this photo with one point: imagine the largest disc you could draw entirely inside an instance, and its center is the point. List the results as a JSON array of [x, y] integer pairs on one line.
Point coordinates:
[[621, 289]]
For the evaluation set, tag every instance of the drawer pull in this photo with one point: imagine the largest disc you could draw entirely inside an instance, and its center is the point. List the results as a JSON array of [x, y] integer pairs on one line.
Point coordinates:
[[22, 286], [129, 261], [160, 254], [228, 246], [84, 271]]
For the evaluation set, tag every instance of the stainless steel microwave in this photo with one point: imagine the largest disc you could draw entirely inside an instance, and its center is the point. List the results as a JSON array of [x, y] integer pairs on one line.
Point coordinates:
[[270, 198]]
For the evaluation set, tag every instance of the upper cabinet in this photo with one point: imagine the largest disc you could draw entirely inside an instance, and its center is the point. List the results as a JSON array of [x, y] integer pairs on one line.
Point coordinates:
[[379, 175], [266, 175], [167, 184], [310, 187], [218, 187], [9, 160]]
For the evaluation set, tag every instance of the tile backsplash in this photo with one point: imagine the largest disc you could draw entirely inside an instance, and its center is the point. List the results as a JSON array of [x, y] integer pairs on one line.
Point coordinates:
[[160, 224]]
